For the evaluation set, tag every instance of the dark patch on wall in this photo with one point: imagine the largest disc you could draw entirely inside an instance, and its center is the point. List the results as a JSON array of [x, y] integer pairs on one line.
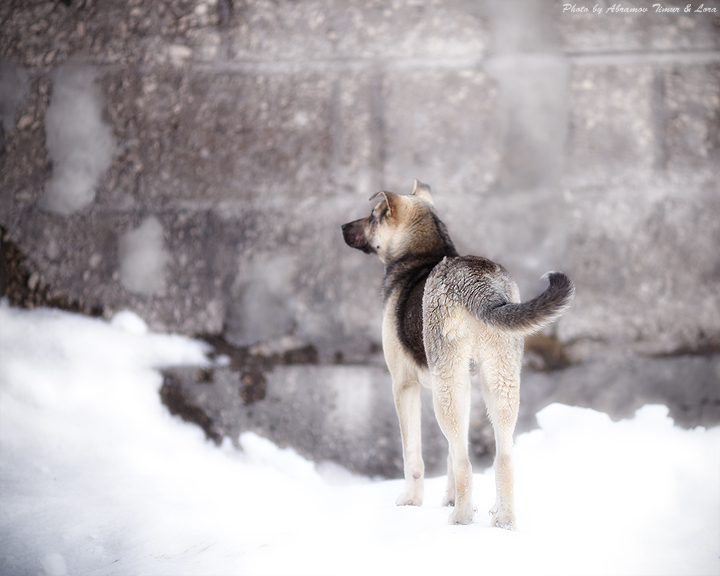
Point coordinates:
[[179, 404], [251, 369], [253, 386], [225, 12], [545, 353], [705, 345], [25, 289], [252, 366]]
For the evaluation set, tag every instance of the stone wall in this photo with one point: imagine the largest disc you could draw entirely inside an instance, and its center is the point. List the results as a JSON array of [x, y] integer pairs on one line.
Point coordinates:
[[192, 160]]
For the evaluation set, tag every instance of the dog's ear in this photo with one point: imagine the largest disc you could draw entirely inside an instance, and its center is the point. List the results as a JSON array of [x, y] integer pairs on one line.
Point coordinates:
[[392, 199], [422, 190]]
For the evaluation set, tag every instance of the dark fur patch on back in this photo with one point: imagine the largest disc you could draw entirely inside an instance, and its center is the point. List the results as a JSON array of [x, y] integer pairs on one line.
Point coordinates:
[[409, 313], [409, 275]]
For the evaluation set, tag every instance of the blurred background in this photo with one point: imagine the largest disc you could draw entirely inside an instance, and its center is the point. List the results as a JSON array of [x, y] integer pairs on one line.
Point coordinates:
[[192, 161]]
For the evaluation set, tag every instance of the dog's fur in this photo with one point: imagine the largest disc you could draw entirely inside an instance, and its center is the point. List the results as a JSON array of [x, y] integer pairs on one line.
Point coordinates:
[[441, 311]]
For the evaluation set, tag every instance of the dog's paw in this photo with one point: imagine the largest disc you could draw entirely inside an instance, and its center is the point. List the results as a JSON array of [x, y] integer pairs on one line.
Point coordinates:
[[504, 520], [463, 515], [448, 499], [406, 499]]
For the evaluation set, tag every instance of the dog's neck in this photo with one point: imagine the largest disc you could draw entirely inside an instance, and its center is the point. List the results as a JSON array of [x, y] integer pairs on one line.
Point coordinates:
[[413, 263], [412, 268]]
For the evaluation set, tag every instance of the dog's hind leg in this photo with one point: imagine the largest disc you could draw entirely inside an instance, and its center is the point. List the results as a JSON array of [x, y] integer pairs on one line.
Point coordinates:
[[449, 498], [451, 399], [407, 404], [501, 389]]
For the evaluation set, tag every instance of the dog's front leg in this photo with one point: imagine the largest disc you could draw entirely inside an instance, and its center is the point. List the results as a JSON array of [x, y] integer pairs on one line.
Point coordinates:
[[407, 404]]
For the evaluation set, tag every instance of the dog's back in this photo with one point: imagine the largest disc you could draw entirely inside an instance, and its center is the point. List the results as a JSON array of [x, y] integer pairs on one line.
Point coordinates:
[[491, 295]]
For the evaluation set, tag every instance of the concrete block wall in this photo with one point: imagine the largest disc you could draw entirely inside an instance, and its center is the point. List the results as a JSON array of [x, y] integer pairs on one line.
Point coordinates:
[[192, 160]]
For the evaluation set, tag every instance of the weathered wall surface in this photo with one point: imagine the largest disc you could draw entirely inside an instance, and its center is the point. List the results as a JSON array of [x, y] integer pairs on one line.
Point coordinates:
[[192, 160]]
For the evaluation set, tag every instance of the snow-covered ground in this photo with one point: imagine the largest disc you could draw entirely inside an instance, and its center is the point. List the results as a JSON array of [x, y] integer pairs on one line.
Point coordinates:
[[97, 478]]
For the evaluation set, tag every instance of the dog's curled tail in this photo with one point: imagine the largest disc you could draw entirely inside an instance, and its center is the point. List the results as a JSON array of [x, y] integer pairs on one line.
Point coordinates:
[[528, 317]]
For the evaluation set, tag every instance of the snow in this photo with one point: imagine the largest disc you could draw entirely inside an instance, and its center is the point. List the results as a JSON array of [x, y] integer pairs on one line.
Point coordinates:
[[143, 257], [80, 144], [97, 478]]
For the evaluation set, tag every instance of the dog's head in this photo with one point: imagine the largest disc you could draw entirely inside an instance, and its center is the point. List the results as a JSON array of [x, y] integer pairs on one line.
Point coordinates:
[[394, 225]]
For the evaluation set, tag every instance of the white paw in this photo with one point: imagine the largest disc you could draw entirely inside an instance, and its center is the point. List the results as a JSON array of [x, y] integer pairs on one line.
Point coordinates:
[[462, 515], [502, 519], [406, 499]]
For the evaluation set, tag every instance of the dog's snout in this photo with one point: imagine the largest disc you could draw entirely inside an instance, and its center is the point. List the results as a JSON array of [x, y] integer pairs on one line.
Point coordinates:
[[354, 236]]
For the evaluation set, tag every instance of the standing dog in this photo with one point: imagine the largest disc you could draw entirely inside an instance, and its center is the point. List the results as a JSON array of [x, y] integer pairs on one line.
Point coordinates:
[[441, 311]]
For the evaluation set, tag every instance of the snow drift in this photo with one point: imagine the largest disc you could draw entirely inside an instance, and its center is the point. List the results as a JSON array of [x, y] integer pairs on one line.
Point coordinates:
[[97, 478]]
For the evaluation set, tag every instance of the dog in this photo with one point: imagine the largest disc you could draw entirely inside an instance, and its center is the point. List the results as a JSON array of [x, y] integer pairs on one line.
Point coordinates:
[[441, 312]]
